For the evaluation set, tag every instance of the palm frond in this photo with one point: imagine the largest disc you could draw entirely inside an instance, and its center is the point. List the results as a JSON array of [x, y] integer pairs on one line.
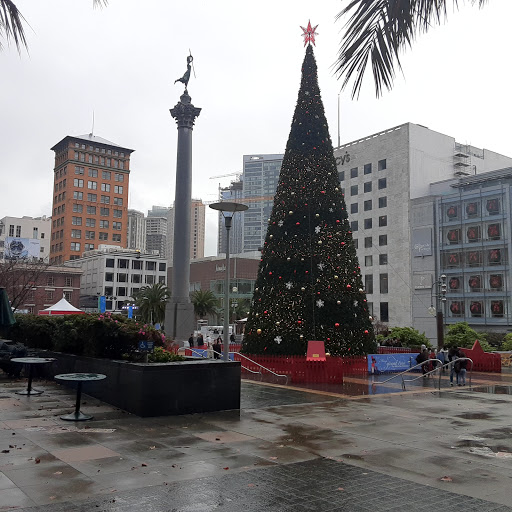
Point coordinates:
[[11, 24], [378, 31]]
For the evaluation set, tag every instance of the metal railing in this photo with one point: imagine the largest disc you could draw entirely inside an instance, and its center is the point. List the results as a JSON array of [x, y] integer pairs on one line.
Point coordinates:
[[439, 367]]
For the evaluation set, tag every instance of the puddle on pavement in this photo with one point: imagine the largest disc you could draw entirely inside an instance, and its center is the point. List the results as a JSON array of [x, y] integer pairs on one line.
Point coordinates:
[[494, 390], [475, 416]]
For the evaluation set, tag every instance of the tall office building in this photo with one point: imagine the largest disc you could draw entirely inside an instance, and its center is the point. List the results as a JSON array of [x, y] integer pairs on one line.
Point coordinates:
[[90, 202], [157, 230], [233, 193], [136, 231], [25, 237], [260, 178], [382, 175]]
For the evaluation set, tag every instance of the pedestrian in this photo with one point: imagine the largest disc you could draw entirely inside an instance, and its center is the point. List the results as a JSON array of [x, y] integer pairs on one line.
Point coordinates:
[[200, 340], [460, 368], [217, 348], [191, 341], [453, 354], [209, 348], [442, 355], [232, 338], [208, 340], [421, 358]]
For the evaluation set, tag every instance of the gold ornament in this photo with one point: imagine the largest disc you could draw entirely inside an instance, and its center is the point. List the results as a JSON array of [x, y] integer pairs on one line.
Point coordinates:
[[258, 331], [335, 277]]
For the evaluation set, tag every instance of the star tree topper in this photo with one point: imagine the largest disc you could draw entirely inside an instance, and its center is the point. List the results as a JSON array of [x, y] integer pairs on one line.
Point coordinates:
[[309, 34]]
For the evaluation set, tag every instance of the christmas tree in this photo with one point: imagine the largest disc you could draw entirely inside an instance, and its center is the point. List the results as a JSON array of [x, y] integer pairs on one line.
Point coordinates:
[[309, 284]]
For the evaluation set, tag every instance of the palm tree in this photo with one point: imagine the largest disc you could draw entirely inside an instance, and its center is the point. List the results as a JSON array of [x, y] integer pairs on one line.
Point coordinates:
[[151, 301], [378, 31], [205, 303], [12, 23]]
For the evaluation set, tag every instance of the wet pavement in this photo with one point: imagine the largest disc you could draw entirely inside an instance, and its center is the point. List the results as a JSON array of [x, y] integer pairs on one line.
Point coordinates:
[[286, 449]]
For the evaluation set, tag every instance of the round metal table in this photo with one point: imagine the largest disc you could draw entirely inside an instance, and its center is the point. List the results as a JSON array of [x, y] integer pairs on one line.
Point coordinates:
[[79, 378], [31, 362]]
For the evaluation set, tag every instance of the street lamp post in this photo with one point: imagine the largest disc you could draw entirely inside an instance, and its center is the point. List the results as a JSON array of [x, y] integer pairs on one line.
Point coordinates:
[[227, 207], [440, 295]]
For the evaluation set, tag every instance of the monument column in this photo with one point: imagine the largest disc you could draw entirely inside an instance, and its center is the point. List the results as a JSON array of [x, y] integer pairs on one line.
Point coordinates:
[[179, 315]]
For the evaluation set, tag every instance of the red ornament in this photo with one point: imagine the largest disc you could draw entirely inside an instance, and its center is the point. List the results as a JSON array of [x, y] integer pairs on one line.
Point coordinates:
[[265, 312], [366, 331], [299, 322], [297, 224], [348, 286], [336, 325], [270, 273]]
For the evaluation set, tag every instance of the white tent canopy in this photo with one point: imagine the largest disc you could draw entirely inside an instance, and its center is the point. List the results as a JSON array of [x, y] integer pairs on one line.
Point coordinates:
[[63, 307]]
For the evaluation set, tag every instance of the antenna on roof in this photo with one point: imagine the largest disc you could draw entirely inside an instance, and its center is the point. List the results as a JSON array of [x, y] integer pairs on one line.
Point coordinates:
[[92, 129]]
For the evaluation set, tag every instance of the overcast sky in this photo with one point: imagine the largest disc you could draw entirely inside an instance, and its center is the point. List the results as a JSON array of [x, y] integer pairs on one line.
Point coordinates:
[[121, 62]]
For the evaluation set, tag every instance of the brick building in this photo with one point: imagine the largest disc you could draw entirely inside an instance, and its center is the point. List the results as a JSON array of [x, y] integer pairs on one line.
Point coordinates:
[[90, 198], [40, 287]]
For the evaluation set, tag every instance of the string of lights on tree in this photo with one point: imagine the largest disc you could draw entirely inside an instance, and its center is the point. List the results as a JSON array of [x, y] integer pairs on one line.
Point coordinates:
[[309, 284]]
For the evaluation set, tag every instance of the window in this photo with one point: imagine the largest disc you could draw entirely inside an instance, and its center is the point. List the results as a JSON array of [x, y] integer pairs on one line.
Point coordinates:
[[48, 295], [92, 198], [353, 208], [354, 225], [383, 240], [368, 242], [368, 186], [109, 276], [354, 190], [92, 185], [117, 213], [161, 279], [105, 199], [368, 205], [105, 187], [78, 208], [118, 201], [383, 259], [90, 235], [76, 221], [384, 312], [78, 183], [103, 224], [106, 175], [367, 223], [91, 210], [75, 246], [50, 281], [103, 236], [108, 162], [104, 212], [383, 202], [118, 189], [136, 278], [91, 223], [356, 243], [150, 279], [68, 281], [93, 173], [368, 261], [383, 221], [382, 183], [118, 176], [381, 165], [76, 233], [122, 263], [341, 175], [116, 237], [79, 170], [353, 172], [383, 282], [368, 283], [121, 291], [137, 264], [122, 278], [161, 267], [367, 168], [89, 247], [109, 263], [150, 265]]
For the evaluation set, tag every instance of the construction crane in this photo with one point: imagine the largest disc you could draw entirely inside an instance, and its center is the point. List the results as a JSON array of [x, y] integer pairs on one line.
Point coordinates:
[[237, 174]]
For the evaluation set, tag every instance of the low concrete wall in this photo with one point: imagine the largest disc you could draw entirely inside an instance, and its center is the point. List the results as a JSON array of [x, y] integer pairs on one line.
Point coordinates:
[[156, 389]]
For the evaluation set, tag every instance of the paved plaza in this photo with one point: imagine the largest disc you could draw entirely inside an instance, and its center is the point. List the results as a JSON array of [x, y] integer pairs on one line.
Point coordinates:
[[285, 450]]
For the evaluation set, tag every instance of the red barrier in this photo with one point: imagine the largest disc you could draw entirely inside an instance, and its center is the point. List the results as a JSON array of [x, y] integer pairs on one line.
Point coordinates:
[[483, 361], [393, 350], [299, 370]]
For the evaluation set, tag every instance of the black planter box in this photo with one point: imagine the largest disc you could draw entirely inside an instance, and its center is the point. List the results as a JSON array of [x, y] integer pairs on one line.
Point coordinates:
[[156, 389]]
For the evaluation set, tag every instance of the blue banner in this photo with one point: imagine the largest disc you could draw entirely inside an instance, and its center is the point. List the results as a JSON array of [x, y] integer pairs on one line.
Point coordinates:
[[130, 311], [103, 304], [380, 363]]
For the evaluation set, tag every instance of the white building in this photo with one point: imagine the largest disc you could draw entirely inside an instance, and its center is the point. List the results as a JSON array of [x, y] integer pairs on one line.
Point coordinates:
[[118, 274], [381, 175], [136, 239], [28, 231]]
